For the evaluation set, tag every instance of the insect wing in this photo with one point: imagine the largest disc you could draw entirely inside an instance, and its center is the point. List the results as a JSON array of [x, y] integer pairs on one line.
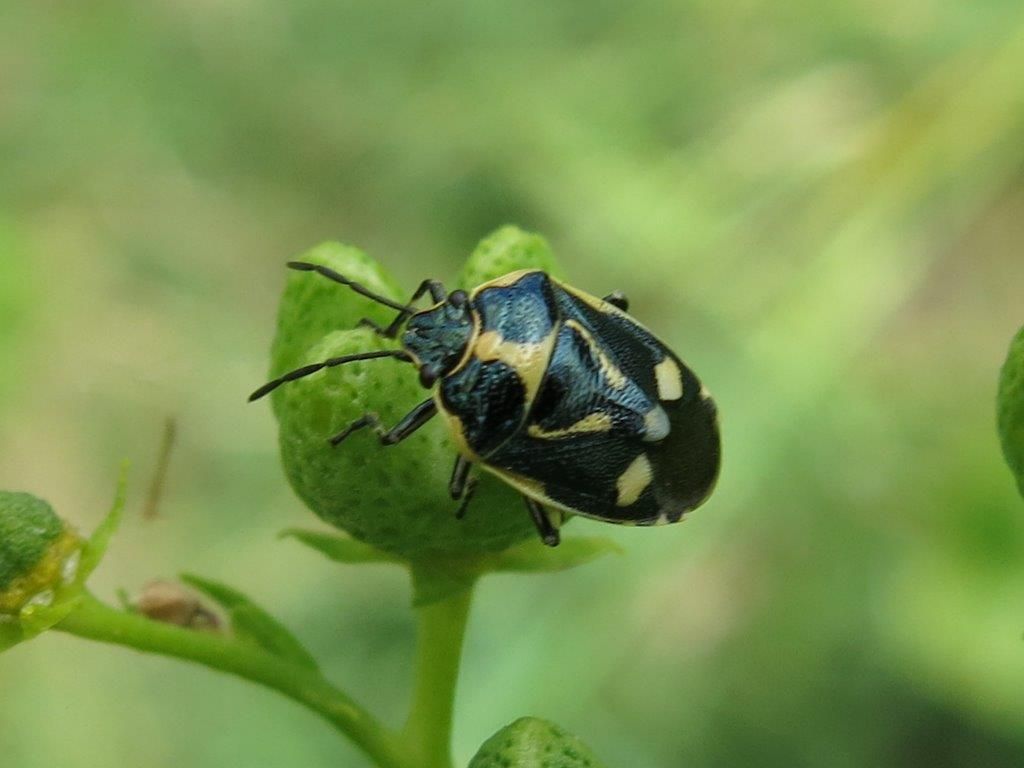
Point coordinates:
[[621, 431]]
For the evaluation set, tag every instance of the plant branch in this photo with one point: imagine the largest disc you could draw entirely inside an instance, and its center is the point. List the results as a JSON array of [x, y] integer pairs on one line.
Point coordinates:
[[95, 620], [441, 627]]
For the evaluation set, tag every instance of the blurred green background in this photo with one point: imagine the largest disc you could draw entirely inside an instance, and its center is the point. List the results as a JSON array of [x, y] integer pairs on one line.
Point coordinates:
[[820, 205]]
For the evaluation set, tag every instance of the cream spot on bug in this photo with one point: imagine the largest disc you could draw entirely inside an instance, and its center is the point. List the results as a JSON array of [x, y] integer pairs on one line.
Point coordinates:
[[529, 361], [634, 481], [656, 425], [669, 378], [615, 377], [594, 422]]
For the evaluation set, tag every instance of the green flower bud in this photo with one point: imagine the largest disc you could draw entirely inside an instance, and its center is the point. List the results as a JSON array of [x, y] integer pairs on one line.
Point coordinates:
[[533, 743], [312, 307], [38, 553], [394, 498], [506, 250], [1011, 409]]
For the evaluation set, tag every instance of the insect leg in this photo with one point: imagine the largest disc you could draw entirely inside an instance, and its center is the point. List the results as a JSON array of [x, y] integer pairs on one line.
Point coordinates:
[[462, 486], [618, 299], [470, 492], [366, 420], [547, 530], [437, 293], [409, 423], [460, 474], [373, 326]]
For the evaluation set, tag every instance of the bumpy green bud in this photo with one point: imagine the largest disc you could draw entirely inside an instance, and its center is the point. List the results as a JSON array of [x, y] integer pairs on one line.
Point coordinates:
[[38, 553], [1011, 409], [533, 743], [313, 307], [506, 250], [394, 498]]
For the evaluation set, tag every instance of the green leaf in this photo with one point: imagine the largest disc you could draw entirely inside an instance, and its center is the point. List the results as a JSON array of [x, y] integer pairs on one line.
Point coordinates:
[[97, 544], [36, 619], [536, 557], [11, 633], [251, 622], [1011, 409], [534, 743], [439, 579], [340, 549]]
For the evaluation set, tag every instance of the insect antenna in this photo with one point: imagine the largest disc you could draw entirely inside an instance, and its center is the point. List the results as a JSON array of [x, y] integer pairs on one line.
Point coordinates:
[[330, 274], [306, 370]]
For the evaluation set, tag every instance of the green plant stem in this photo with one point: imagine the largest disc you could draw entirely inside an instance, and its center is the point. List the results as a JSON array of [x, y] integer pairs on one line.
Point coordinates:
[[95, 620], [441, 627]]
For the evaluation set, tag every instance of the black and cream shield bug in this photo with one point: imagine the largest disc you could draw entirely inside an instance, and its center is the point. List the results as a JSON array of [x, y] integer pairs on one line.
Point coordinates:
[[562, 395]]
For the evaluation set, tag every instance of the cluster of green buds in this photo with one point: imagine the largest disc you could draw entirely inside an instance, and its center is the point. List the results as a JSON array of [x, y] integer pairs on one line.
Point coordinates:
[[394, 502], [393, 505], [396, 499]]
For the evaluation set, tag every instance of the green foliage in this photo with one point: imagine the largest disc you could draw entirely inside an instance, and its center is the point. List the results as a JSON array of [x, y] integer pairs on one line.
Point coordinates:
[[437, 579], [96, 546], [394, 499], [1011, 409], [340, 549], [818, 205], [535, 557], [370, 503], [251, 622], [533, 743]]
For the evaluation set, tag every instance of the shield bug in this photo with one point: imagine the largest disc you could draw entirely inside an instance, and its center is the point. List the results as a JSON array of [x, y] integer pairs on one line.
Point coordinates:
[[562, 395]]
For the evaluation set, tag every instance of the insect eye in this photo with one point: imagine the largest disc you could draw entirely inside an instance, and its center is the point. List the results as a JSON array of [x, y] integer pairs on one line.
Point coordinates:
[[458, 298]]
